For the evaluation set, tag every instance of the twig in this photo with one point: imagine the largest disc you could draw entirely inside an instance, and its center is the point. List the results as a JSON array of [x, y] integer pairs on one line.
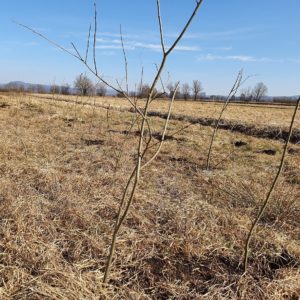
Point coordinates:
[[198, 4], [160, 27], [88, 44], [125, 60], [232, 92], [48, 40], [158, 95], [164, 131], [76, 50], [95, 40]]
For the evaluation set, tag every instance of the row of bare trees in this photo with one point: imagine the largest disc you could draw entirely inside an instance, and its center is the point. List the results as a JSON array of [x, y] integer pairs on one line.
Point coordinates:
[[19, 87], [85, 86], [256, 93], [184, 91]]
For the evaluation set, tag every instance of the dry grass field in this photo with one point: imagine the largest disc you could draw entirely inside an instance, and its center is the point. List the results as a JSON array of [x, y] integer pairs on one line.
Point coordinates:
[[259, 115], [64, 166]]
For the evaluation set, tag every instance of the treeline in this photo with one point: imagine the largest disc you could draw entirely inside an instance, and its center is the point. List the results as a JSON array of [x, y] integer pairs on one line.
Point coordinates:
[[35, 88], [84, 86], [185, 91]]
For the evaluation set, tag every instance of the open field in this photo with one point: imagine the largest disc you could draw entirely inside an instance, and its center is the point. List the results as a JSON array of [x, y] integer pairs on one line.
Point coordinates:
[[259, 115], [64, 166]]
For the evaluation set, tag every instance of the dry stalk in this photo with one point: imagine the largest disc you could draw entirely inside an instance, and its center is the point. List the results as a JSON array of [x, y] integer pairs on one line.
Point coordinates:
[[268, 197]]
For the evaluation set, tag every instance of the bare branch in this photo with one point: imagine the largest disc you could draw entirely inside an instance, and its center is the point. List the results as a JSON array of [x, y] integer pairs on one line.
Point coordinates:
[[198, 4], [76, 50], [232, 92], [164, 131], [88, 44], [48, 40], [95, 39], [125, 59], [160, 27], [158, 95]]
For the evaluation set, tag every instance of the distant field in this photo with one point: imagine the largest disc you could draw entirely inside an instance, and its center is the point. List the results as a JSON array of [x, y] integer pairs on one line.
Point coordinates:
[[260, 115], [64, 166]]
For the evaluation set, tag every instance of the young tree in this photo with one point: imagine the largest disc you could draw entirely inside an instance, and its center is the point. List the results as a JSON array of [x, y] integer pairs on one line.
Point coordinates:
[[101, 89], [185, 91], [84, 85], [259, 91], [145, 132], [197, 88]]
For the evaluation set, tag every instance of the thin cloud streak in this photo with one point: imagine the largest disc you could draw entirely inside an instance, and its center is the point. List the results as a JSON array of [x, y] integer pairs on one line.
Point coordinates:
[[216, 34], [133, 45], [245, 58]]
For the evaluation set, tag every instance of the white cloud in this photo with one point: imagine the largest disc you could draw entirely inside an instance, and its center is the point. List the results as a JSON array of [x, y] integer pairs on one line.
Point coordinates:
[[114, 47], [223, 48], [133, 45], [243, 58], [117, 35]]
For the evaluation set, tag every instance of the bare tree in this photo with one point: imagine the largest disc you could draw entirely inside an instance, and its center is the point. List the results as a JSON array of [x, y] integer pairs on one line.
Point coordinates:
[[246, 94], [259, 91], [197, 88], [101, 89], [185, 91], [40, 89], [144, 90], [84, 85], [54, 89], [171, 89], [65, 89]]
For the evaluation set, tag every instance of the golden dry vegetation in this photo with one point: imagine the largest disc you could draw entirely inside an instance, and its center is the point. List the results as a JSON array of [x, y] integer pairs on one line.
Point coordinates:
[[64, 166], [257, 114]]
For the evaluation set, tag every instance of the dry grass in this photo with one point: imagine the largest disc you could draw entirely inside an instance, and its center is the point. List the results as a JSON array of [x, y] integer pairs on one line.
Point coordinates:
[[259, 115], [63, 173]]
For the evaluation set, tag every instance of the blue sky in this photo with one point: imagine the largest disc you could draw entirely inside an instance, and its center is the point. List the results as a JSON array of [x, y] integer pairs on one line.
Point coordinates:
[[260, 36]]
